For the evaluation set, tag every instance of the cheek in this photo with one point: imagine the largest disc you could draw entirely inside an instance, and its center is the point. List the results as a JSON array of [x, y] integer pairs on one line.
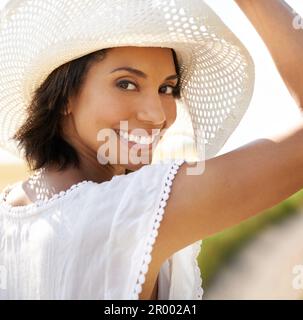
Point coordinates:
[[86, 123], [99, 112], [108, 107], [171, 113], [111, 110]]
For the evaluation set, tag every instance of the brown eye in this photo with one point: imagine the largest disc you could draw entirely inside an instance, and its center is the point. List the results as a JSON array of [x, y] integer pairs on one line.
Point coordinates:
[[170, 91], [124, 84]]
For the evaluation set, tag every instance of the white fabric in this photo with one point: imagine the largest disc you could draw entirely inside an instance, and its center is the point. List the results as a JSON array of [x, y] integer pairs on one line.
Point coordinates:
[[94, 241]]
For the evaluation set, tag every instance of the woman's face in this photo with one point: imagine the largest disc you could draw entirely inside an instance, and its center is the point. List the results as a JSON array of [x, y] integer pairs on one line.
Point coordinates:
[[142, 99]]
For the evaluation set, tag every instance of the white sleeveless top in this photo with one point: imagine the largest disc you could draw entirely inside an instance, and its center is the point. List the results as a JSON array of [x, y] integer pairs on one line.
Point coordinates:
[[94, 241]]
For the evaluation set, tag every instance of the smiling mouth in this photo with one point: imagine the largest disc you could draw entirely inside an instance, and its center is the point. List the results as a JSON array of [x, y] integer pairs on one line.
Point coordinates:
[[142, 142]]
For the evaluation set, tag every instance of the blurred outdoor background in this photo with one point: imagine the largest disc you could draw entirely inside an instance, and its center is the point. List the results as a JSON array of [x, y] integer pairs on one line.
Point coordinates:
[[262, 257]]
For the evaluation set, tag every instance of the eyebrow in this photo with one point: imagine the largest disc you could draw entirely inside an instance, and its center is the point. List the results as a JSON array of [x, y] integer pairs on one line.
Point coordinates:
[[141, 73]]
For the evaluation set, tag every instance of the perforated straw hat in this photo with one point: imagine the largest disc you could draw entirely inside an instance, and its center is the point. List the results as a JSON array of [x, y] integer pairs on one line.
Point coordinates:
[[217, 71]]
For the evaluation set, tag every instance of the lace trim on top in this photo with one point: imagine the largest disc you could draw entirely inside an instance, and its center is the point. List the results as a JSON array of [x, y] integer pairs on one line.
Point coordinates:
[[29, 209], [200, 291], [154, 233]]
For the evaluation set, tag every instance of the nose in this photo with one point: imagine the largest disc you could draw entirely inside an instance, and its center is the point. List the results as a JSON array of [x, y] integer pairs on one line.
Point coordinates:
[[152, 112]]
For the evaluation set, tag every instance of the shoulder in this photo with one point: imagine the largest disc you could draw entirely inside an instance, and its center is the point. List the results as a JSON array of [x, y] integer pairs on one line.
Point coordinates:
[[15, 195], [142, 186]]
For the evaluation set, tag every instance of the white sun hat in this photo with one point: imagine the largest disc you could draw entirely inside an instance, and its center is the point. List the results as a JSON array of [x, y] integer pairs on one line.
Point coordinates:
[[217, 71]]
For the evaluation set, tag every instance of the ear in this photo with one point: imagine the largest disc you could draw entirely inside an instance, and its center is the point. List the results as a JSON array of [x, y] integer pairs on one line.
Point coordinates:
[[67, 109]]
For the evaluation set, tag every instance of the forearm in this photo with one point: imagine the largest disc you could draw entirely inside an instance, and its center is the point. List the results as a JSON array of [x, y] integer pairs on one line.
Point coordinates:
[[273, 20]]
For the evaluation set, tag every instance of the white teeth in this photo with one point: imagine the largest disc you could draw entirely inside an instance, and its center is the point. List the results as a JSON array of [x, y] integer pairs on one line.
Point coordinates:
[[124, 134], [144, 140], [137, 139], [134, 138]]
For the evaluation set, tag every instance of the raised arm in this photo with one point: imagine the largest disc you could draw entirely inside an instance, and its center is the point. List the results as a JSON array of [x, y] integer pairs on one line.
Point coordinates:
[[234, 187], [275, 22]]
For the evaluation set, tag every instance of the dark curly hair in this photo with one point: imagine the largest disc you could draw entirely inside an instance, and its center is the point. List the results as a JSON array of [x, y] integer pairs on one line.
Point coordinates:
[[40, 136]]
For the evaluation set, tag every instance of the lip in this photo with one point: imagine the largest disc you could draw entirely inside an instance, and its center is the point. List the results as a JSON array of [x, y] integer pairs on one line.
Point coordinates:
[[136, 146], [144, 131]]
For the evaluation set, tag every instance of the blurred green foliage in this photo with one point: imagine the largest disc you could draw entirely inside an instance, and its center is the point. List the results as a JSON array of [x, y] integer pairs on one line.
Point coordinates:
[[220, 247]]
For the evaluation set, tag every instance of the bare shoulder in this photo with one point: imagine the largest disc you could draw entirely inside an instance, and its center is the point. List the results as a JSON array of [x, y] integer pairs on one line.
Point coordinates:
[[231, 188], [15, 194]]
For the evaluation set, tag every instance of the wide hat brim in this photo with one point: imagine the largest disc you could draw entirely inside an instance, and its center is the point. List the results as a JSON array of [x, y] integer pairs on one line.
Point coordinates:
[[217, 71]]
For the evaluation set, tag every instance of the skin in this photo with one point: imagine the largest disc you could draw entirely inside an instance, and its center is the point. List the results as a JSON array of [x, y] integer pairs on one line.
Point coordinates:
[[243, 183], [145, 103], [239, 184], [274, 21], [103, 103]]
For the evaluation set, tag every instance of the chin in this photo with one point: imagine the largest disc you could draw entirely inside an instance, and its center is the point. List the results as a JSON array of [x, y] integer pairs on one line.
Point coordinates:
[[135, 167]]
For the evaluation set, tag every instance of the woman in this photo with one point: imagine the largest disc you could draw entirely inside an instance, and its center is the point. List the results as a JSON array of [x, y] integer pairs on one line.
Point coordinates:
[[82, 227]]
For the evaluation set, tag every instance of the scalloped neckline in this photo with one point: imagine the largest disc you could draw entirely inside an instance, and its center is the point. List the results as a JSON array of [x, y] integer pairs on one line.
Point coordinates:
[[41, 203]]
